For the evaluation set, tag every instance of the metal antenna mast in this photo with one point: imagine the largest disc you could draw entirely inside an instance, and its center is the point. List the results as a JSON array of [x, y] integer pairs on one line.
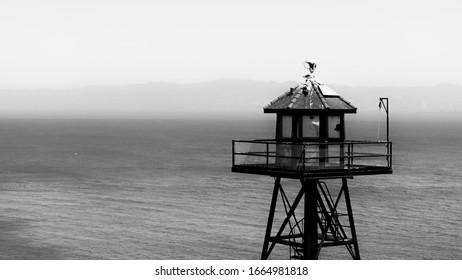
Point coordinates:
[[384, 102]]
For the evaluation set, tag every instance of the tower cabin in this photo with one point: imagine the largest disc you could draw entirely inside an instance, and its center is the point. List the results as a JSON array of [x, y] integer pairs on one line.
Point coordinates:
[[310, 139], [310, 145]]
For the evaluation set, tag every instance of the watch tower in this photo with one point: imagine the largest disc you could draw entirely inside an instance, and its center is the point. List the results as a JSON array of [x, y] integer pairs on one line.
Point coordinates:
[[310, 146]]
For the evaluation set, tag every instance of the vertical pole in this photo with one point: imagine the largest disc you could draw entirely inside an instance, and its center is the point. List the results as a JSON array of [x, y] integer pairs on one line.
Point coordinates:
[[267, 156], [269, 226], [388, 124], [310, 231], [350, 218], [388, 128], [388, 118]]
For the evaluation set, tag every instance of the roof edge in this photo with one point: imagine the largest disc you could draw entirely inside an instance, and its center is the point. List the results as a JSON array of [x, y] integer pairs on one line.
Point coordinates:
[[311, 111]]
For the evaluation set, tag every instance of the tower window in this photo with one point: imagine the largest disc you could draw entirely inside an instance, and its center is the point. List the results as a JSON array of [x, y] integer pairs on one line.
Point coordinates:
[[310, 127], [286, 126], [334, 127]]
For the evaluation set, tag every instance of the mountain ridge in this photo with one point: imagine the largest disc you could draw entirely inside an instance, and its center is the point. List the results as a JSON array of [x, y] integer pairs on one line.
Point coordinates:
[[225, 98]]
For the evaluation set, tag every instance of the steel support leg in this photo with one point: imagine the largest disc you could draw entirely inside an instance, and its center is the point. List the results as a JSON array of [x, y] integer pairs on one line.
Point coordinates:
[[350, 217], [269, 226], [310, 244]]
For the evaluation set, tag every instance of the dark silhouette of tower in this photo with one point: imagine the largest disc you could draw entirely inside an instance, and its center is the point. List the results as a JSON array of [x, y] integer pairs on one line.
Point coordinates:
[[310, 146]]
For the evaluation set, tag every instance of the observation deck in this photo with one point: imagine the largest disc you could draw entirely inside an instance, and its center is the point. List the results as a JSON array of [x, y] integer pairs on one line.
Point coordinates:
[[303, 160]]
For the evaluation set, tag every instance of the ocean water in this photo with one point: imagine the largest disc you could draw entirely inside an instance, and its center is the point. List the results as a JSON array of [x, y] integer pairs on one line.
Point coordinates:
[[163, 189]]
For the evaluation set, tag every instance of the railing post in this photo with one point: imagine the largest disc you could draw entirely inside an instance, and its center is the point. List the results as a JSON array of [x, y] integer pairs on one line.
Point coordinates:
[[267, 155], [352, 154], [387, 154], [390, 157], [322, 154], [349, 156], [233, 152]]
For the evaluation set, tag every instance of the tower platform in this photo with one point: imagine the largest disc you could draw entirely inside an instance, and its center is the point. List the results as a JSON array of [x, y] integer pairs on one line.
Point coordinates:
[[303, 160]]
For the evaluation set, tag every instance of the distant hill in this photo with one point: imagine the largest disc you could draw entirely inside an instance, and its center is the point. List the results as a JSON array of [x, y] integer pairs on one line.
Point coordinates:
[[443, 100], [215, 99]]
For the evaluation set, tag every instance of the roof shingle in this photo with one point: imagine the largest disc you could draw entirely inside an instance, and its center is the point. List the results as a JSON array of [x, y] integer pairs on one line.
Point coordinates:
[[310, 96]]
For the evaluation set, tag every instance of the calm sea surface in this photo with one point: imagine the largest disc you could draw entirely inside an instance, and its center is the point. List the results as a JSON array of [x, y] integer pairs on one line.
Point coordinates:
[[164, 190]]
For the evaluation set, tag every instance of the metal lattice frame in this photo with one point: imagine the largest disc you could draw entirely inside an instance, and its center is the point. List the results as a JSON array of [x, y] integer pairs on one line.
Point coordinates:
[[321, 225]]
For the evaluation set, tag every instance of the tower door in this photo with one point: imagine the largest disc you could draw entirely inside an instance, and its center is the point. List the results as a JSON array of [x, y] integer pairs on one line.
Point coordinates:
[[287, 154]]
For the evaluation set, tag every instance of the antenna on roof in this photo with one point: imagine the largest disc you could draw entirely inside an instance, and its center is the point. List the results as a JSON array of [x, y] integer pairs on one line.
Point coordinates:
[[310, 64]]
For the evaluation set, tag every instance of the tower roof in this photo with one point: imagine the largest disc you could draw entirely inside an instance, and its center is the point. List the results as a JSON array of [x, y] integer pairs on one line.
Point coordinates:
[[310, 96]]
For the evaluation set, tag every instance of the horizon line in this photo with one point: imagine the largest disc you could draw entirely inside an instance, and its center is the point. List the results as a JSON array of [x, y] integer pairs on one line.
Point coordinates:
[[57, 88]]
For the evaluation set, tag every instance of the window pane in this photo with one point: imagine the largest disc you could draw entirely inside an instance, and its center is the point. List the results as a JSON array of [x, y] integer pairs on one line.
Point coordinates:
[[310, 126], [334, 126], [286, 126]]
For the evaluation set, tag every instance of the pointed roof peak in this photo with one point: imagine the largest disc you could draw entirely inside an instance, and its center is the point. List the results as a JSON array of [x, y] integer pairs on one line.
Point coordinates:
[[310, 95]]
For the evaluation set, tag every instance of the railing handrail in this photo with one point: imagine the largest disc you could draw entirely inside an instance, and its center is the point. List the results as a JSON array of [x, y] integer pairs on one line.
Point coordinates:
[[347, 151], [272, 141]]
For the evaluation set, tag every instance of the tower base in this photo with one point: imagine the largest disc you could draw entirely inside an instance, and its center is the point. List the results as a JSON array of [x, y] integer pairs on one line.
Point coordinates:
[[322, 225]]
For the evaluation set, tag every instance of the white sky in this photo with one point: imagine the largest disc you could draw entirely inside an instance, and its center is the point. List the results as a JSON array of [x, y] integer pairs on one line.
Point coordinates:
[[61, 44]]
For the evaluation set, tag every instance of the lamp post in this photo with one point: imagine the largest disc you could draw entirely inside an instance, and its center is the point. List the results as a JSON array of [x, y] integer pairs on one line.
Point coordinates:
[[384, 102]]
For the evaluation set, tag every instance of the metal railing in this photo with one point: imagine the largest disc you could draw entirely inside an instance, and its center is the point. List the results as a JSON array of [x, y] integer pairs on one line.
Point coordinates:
[[305, 156]]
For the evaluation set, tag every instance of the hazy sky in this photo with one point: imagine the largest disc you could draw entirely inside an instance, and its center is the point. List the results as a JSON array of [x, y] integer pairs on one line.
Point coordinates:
[[60, 44]]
